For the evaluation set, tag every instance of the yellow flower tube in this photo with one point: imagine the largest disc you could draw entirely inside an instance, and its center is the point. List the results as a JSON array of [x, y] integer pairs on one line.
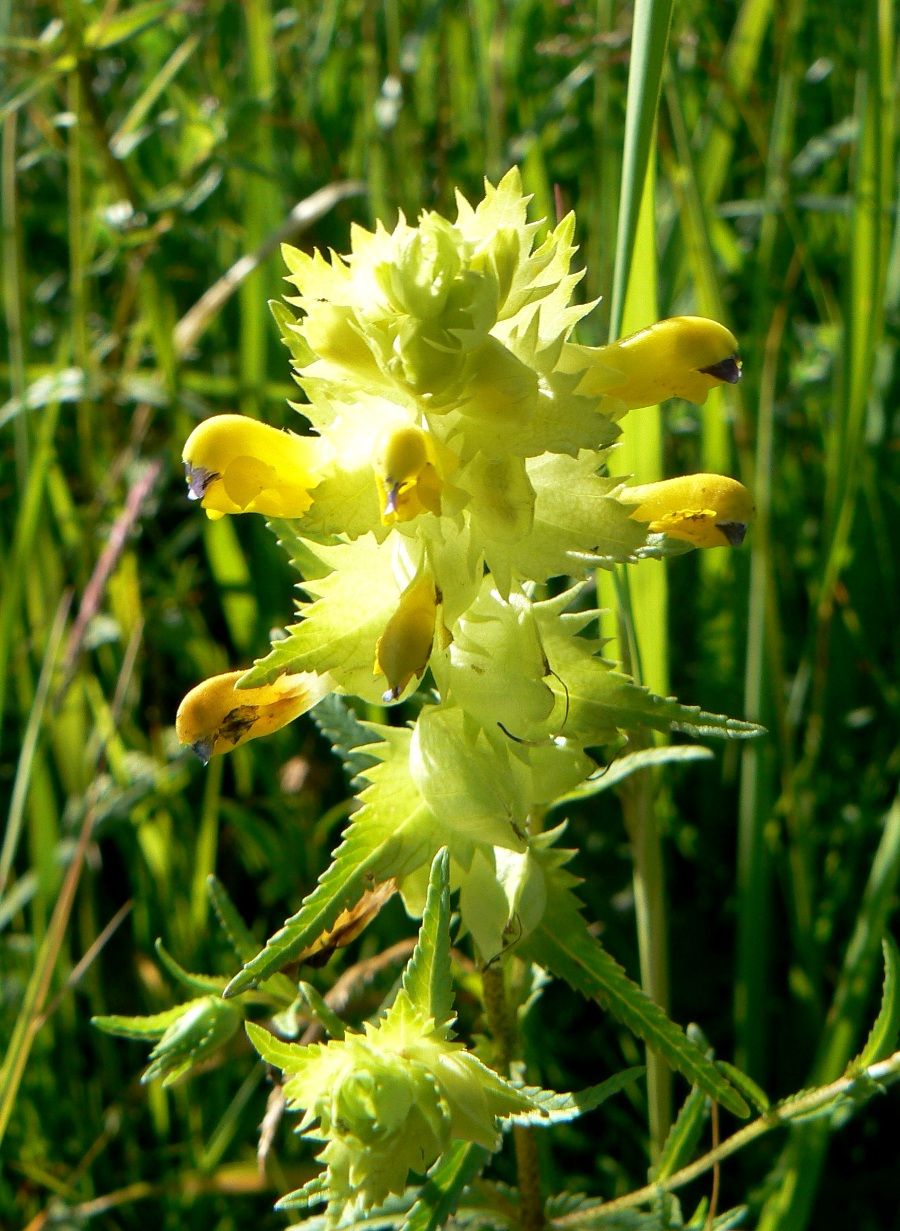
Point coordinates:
[[684, 356], [707, 510], [238, 465], [217, 716]]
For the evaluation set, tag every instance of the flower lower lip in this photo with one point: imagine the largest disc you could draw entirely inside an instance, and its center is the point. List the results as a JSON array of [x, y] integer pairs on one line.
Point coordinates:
[[728, 370]]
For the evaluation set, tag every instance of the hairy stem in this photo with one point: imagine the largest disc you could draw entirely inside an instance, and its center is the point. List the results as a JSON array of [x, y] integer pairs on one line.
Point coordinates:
[[503, 1033]]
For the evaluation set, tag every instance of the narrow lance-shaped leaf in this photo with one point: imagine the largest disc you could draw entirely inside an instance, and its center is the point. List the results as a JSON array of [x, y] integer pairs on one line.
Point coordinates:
[[426, 979], [445, 1184], [599, 701], [318, 1007], [193, 982], [552, 1108], [242, 939], [681, 1141], [882, 1038], [149, 1026], [392, 835], [565, 947]]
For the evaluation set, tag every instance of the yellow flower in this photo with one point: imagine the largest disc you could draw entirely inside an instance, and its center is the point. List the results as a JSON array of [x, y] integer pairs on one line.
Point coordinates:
[[408, 482], [239, 465], [684, 356], [404, 648], [707, 510], [216, 716]]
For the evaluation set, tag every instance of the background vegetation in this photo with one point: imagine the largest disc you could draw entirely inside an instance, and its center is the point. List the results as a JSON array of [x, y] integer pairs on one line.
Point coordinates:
[[148, 147]]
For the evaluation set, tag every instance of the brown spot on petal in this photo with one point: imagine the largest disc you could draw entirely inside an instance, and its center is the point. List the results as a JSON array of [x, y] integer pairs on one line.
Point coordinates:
[[238, 722]]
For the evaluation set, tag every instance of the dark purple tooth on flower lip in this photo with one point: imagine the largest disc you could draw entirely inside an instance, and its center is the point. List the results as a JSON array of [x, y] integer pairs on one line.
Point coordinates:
[[203, 748], [390, 505], [728, 370], [734, 531], [198, 479]]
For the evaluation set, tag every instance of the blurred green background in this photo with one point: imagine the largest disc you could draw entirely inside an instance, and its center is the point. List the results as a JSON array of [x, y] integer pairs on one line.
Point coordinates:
[[146, 149]]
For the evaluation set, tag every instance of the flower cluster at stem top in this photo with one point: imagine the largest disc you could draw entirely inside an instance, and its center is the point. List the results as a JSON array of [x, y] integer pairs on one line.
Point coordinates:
[[456, 463]]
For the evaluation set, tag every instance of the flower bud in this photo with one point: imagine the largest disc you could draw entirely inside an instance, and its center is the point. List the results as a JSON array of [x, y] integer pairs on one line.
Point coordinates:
[[239, 465], [388, 1102], [217, 716], [684, 356], [425, 264], [403, 649], [706, 510]]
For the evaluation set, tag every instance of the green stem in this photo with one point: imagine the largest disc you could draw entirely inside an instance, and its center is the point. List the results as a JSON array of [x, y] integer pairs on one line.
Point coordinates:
[[503, 1033], [793, 1109], [638, 794]]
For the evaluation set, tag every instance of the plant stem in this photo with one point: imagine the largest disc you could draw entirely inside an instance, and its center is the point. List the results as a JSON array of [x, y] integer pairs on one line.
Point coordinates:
[[637, 794], [796, 1108], [503, 1033]]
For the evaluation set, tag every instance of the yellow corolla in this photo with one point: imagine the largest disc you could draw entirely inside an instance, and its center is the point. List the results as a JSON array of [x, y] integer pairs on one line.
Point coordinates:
[[684, 356], [404, 648], [408, 482], [216, 716], [707, 510], [239, 465]]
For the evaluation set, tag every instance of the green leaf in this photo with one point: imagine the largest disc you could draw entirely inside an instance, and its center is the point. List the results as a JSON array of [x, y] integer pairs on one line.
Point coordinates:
[[239, 935], [882, 1040], [348, 736], [150, 1026], [724, 1222], [339, 629], [194, 983], [564, 946], [312, 1192], [426, 979], [754, 1094], [553, 1108], [392, 835], [649, 37], [392, 1214], [624, 766], [242, 940], [290, 334], [599, 701], [681, 1141], [274, 1051], [576, 522], [318, 1008], [444, 1186]]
